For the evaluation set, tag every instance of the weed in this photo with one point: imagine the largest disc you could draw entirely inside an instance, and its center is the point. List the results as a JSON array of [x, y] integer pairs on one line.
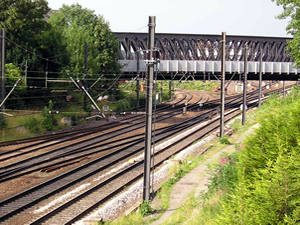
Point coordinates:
[[145, 208], [224, 140]]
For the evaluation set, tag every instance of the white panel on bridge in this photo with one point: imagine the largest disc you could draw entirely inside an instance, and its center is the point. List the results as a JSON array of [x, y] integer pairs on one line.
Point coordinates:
[[209, 66], [269, 67], [182, 66], [191, 66], [212, 66], [200, 66], [228, 66], [235, 67], [253, 67], [164, 66], [173, 65]]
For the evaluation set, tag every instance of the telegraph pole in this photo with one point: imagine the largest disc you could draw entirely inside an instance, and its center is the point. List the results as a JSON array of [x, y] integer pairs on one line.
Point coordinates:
[[245, 85], [2, 66], [223, 62], [148, 141], [260, 77]]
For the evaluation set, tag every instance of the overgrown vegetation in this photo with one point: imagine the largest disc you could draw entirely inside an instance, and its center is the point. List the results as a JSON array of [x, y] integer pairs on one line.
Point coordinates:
[[260, 184]]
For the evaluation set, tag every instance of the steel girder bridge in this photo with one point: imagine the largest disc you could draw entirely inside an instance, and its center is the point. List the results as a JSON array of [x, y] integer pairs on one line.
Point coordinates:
[[198, 57]]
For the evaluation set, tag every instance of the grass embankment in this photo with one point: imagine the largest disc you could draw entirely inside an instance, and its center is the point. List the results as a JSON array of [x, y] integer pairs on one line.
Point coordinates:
[[260, 183]]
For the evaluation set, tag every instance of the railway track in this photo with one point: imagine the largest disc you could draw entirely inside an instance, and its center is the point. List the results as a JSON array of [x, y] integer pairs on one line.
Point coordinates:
[[98, 167], [83, 131]]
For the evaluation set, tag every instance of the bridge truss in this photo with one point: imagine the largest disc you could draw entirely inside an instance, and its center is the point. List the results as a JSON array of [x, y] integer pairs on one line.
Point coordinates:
[[198, 56]]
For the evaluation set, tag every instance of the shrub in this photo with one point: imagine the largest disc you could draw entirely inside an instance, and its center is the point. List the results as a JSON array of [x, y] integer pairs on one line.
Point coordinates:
[[145, 208], [48, 119], [32, 124], [3, 122], [267, 191]]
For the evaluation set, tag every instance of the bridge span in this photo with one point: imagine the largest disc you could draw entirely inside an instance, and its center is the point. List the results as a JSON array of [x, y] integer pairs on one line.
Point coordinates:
[[193, 56]]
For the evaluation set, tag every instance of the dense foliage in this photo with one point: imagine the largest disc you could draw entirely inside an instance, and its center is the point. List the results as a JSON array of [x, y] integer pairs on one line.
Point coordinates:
[[52, 44], [268, 186], [292, 11], [80, 27], [24, 22]]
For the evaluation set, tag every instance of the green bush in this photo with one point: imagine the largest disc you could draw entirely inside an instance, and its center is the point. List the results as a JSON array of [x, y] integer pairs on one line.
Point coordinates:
[[145, 208], [267, 191], [32, 124], [48, 119], [3, 122]]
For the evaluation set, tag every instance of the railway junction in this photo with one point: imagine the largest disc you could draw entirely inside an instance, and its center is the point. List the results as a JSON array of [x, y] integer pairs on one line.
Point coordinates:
[[64, 177]]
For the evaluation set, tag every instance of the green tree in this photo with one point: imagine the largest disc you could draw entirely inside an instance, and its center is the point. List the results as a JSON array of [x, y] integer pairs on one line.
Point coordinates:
[[24, 21], [12, 74], [80, 26], [292, 11]]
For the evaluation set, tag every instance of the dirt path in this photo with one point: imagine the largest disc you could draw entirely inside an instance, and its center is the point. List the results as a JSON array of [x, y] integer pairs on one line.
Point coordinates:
[[196, 181]]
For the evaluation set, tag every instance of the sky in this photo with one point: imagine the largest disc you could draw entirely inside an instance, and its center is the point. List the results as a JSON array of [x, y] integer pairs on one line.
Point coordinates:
[[235, 17]]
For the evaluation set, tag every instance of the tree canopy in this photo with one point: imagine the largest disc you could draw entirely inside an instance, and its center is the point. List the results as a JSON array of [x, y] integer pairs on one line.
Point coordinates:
[[80, 27], [23, 21], [291, 9]]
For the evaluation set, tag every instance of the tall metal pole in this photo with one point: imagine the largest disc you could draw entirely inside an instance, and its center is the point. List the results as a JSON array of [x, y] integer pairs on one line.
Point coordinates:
[[245, 85], [138, 80], [223, 84], [148, 141], [260, 77], [2, 66]]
